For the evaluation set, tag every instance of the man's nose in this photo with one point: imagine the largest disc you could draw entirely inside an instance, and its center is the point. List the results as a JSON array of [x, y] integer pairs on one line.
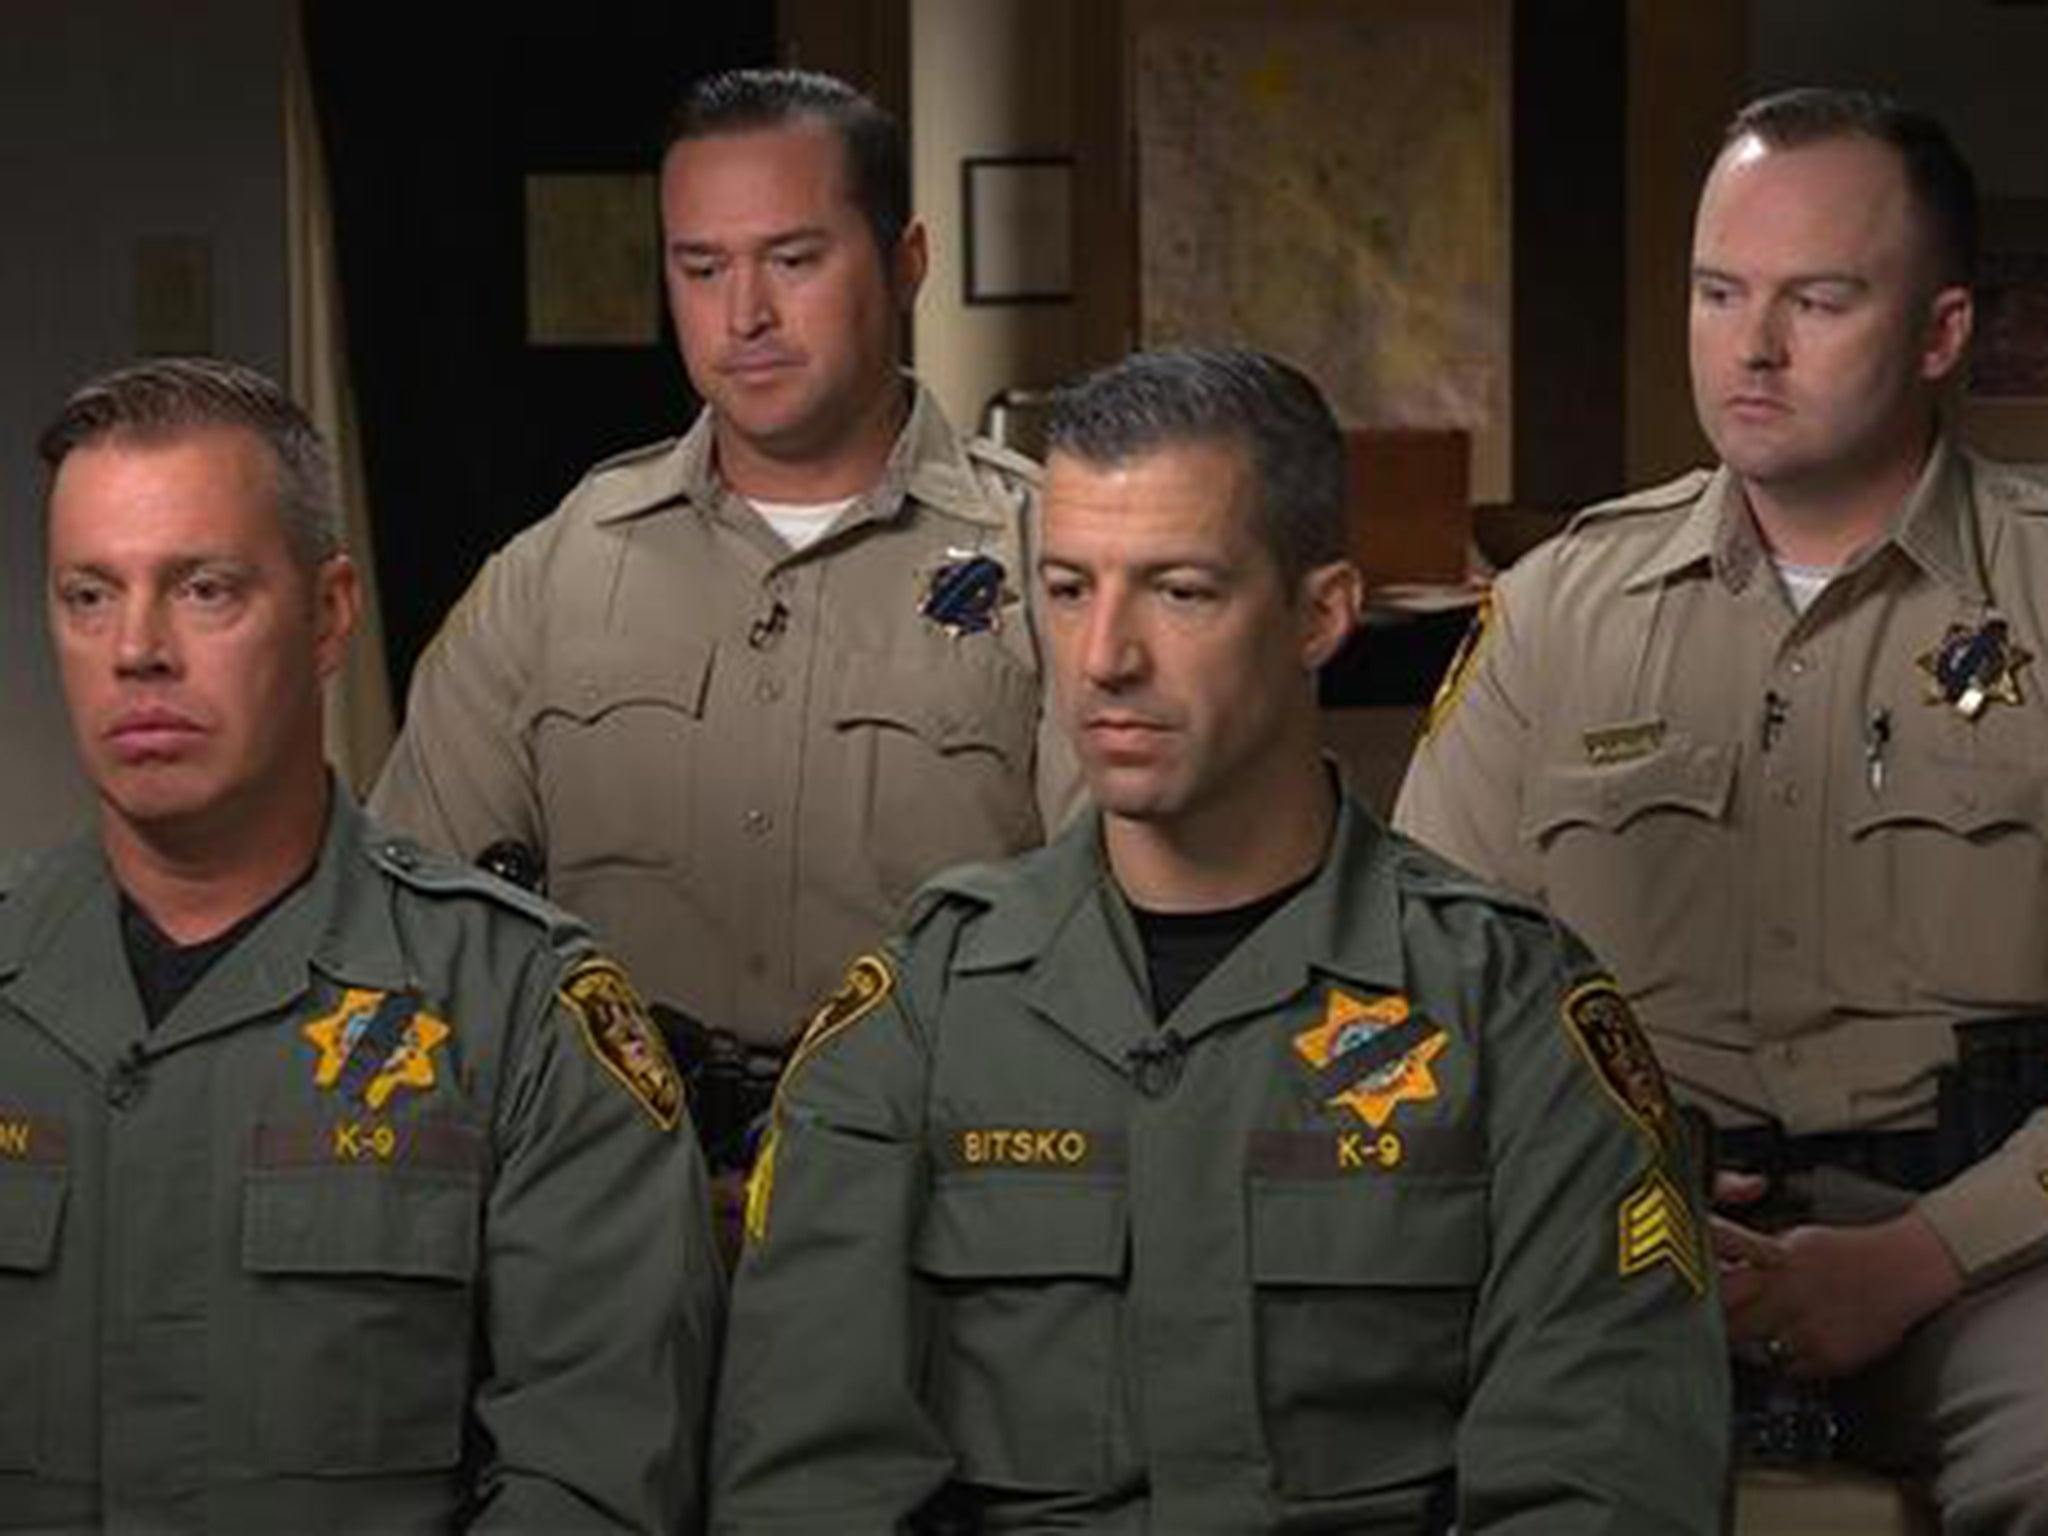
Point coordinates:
[[1763, 338], [144, 645], [1112, 654], [749, 305]]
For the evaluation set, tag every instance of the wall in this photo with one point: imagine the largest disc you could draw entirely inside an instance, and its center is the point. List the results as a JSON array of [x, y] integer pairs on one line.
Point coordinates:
[[123, 120], [1976, 65], [988, 77]]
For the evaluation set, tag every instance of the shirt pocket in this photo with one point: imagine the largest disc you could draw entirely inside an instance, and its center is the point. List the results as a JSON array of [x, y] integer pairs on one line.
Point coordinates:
[[1025, 1279], [1946, 880], [362, 1291], [939, 746], [1638, 857], [1364, 1294], [615, 726], [31, 1220]]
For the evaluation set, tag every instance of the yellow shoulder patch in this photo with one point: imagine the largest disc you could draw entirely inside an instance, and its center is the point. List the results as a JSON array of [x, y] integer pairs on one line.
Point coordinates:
[[868, 982], [1657, 1227], [619, 1034], [1459, 672], [1604, 1028]]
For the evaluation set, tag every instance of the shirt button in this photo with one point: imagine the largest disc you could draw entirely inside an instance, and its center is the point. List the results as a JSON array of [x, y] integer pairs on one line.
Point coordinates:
[[758, 821], [757, 966], [1797, 664], [768, 690], [1788, 794], [1789, 1054], [1783, 938]]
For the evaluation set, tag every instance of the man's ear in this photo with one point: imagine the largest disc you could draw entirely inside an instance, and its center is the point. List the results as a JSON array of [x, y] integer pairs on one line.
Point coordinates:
[[909, 263], [1330, 600], [337, 607], [1951, 318]]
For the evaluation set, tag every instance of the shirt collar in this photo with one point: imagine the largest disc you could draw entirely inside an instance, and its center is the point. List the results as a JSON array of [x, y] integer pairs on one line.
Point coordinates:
[[1933, 528], [927, 464]]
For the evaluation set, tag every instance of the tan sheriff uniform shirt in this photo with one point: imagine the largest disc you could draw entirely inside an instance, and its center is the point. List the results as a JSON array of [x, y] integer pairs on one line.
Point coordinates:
[[736, 760], [1803, 863]]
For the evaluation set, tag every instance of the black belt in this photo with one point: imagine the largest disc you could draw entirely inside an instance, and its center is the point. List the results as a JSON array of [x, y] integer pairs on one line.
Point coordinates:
[[1903, 1159]]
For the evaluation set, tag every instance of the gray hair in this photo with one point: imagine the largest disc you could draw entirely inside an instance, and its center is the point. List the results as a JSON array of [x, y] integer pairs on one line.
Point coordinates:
[[167, 398], [1274, 411]]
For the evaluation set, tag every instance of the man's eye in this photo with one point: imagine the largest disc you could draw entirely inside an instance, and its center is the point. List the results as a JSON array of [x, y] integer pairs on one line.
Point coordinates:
[[207, 591], [794, 261], [696, 269], [81, 597], [1184, 594]]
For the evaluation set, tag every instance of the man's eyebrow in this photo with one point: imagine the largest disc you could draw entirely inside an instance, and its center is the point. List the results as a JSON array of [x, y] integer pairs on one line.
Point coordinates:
[[802, 234]]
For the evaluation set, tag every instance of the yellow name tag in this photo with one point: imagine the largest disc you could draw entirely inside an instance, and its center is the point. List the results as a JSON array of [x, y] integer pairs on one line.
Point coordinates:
[[1623, 743], [1023, 1149]]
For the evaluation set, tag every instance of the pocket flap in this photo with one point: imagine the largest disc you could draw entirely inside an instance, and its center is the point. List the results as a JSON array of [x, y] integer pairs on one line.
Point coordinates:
[[1695, 777], [1015, 1226], [360, 1220], [31, 1214], [1378, 1231], [1964, 798], [957, 699], [591, 675]]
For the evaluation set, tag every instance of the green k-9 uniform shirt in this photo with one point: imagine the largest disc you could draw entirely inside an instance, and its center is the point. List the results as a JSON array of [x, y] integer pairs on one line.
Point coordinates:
[[391, 1224], [1392, 1200]]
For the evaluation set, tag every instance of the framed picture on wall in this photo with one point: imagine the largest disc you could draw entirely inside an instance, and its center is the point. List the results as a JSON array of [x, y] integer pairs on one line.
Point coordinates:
[[2005, 411], [1018, 229]]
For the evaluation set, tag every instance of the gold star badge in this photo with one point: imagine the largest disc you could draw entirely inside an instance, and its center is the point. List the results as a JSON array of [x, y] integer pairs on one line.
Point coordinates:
[[1378, 1026], [373, 1043]]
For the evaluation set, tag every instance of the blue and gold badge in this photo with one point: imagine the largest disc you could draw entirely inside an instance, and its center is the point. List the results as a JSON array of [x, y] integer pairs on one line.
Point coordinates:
[[1974, 667], [372, 1044], [967, 594], [1372, 1056]]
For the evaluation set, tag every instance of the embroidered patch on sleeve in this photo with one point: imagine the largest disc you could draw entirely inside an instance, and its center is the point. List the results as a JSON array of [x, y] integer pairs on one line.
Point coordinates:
[[1657, 1228], [621, 1036], [1459, 672], [1604, 1028]]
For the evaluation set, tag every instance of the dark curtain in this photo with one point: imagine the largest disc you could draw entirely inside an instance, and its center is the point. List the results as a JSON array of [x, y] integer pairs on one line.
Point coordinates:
[[430, 129]]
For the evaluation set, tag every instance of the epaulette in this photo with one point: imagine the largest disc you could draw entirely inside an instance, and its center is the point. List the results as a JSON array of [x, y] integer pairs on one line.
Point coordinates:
[[1427, 876], [969, 885], [2012, 488], [422, 869], [1672, 494], [1005, 459], [632, 456]]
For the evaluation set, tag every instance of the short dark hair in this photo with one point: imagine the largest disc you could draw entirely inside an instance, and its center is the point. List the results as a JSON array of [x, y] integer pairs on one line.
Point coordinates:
[[167, 398], [1937, 175], [748, 100], [1273, 410]]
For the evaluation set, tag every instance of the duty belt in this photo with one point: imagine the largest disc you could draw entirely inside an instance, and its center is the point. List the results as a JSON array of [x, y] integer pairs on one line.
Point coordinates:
[[1903, 1159]]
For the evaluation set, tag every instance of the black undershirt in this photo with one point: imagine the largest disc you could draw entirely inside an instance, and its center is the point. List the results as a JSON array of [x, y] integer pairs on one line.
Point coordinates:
[[165, 970], [1181, 948]]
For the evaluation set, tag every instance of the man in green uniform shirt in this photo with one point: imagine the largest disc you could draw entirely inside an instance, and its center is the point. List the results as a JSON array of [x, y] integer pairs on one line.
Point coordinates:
[[1231, 1165], [342, 1188]]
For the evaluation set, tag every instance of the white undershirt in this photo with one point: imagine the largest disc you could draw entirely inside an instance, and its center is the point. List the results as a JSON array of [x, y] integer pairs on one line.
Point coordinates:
[[800, 524], [1803, 583]]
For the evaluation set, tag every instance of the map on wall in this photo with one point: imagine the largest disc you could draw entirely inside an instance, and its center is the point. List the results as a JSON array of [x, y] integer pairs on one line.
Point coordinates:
[[1334, 189]]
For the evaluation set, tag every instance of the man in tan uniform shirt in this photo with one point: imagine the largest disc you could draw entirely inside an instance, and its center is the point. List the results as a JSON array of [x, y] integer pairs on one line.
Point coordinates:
[[1772, 738], [743, 691]]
